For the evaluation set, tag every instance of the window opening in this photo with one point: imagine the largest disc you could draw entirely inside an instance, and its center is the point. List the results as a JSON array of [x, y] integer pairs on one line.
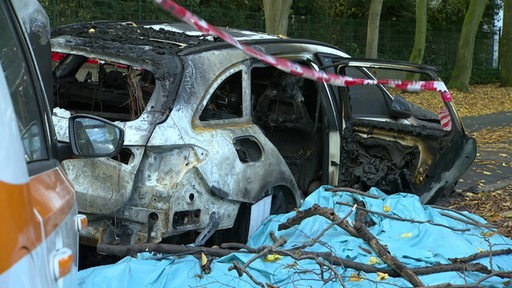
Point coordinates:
[[226, 101], [113, 91]]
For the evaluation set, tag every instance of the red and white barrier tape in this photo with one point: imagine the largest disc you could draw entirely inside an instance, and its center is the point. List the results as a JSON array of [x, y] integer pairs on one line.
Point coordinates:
[[294, 68]]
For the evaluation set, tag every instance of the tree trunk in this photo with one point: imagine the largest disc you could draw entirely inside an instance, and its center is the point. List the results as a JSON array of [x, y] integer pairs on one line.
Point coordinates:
[[276, 16], [421, 32], [464, 59], [506, 45], [372, 35]]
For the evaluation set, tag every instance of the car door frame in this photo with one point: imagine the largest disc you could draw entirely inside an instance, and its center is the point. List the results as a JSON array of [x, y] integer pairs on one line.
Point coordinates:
[[454, 160]]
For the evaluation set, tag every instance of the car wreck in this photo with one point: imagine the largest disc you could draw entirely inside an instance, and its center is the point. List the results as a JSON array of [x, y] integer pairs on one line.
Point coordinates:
[[216, 140]]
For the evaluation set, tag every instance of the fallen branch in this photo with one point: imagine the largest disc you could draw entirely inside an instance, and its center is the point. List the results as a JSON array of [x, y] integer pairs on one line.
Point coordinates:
[[482, 254], [381, 250], [179, 250], [470, 220], [171, 249], [241, 270], [298, 255], [477, 283], [352, 190], [389, 216], [317, 237], [315, 210]]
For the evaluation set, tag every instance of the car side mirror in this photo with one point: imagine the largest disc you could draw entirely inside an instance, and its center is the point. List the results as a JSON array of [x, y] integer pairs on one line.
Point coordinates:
[[92, 136], [400, 108]]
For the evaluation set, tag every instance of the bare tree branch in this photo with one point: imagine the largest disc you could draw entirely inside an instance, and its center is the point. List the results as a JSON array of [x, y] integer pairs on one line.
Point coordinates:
[[320, 211], [352, 190], [243, 269], [382, 251], [337, 222], [405, 219], [471, 221], [481, 255]]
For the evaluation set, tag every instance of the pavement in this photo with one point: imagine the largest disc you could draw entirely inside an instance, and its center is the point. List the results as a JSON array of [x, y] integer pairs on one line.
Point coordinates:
[[492, 169]]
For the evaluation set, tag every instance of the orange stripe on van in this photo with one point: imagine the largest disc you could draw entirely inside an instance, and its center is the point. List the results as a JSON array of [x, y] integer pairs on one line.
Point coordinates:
[[50, 194]]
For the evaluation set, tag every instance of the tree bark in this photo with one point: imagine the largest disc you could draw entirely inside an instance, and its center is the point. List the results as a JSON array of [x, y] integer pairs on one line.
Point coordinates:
[[421, 32], [372, 34], [276, 16], [464, 60], [506, 46]]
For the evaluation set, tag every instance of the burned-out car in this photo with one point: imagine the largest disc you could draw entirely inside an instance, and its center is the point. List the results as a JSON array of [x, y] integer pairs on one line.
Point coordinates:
[[216, 140]]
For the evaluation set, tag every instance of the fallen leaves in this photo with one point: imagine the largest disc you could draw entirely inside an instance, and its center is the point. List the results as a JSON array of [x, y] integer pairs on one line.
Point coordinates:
[[272, 258], [495, 207], [382, 276], [373, 260], [355, 277], [494, 151]]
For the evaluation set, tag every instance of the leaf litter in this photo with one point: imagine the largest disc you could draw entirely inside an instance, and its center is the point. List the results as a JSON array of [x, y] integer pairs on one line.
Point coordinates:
[[495, 206]]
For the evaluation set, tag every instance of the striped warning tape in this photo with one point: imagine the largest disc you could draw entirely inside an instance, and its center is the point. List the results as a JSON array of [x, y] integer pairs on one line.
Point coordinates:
[[294, 68]]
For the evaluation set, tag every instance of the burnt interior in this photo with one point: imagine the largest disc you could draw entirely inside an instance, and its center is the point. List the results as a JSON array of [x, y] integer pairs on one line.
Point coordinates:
[[373, 162], [288, 111], [113, 91]]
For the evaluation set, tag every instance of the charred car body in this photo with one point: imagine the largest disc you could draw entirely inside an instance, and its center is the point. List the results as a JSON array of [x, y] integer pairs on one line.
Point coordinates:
[[215, 139]]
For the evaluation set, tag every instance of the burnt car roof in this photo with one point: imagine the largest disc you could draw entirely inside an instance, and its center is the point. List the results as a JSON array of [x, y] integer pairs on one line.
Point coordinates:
[[163, 38], [163, 41]]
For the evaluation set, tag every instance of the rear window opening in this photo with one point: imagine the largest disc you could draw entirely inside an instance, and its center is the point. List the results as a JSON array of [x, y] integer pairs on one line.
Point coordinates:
[[114, 91]]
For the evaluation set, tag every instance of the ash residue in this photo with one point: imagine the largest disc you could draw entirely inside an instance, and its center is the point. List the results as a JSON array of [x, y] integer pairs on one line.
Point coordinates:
[[129, 33]]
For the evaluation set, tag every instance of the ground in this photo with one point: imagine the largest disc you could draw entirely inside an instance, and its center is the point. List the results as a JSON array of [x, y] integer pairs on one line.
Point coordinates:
[[486, 189]]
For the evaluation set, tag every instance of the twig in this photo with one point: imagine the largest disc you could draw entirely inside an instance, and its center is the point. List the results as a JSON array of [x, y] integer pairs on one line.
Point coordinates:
[[383, 253], [406, 219], [482, 254], [303, 256], [471, 221], [243, 269], [477, 283], [352, 190], [320, 211], [337, 222]]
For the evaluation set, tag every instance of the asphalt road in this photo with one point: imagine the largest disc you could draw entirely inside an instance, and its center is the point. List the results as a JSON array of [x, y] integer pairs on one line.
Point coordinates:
[[492, 168]]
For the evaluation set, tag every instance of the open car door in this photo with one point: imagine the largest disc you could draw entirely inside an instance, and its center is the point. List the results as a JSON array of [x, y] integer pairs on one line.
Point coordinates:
[[397, 140]]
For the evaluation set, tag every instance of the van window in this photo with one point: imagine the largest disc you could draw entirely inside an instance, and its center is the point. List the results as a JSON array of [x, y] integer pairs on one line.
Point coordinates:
[[24, 98]]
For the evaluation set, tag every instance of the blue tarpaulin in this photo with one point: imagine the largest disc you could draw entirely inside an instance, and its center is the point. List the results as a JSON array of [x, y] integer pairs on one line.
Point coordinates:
[[432, 237]]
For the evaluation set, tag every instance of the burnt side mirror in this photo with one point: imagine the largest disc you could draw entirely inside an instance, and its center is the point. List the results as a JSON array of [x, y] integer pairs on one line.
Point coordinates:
[[400, 108], [92, 136]]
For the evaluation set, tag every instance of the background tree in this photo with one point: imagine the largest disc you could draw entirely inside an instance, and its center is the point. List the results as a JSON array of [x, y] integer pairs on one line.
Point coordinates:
[[464, 59], [421, 32], [372, 35], [506, 45], [276, 16]]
